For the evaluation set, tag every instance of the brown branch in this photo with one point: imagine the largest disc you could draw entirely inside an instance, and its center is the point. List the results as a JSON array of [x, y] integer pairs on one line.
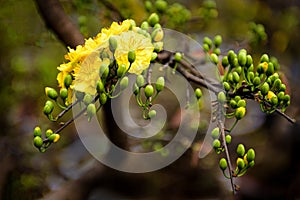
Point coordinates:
[[112, 8], [56, 19]]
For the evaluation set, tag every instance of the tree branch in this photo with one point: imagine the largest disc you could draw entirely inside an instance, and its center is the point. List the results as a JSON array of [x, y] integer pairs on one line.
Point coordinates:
[[56, 19]]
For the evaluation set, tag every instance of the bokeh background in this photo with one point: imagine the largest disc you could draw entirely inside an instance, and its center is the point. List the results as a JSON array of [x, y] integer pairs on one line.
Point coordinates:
[[30, 53]]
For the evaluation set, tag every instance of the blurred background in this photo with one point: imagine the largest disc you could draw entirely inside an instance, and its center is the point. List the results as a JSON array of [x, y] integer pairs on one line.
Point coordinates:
[[30, 53]]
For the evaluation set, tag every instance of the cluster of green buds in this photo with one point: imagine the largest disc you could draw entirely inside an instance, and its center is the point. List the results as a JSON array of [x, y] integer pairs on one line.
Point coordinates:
[[146, 93], [208, 10], [176, 14], [212, 47], [42, 144], [257, 33]]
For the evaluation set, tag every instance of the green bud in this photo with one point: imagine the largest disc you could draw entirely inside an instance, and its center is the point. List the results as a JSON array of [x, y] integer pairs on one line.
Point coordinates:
[[158, 46], [216, 144], [275, 63], [225, 62], [250, 155], [226, 86], [205, 47], [152, 114], [223, 164], [237, 98], [277, 84], [54, 137], [148, 6], [264, 58], [242, 58], [37, 131], [280, 96], [235, 63], [282, 87], [251, 68], [241, 103], [63, 92], [240, 113], [157, 26], [274, 100], [198, 93], [154, 56], [286, 98], [100, 86], [250, 76], [161, 6], [91, 110], [135, 89], [228, 139], [103, 71], [140, 81], [215, 133], [149, 91], [256, 81], [236, 77], [270, 69], [131, 56], [251, 164], [157, 35], [233, 103], [160, 84], [38, 142], [265, 88], [51, 93], [207, 40], [48, 132], [214, 58], [47, 109], [68, 80], [238, 69], [87, 99], [49, 103], [121, 70], [145, 25], [240, 163], [240, 150], [221, 97], [217, 40], [230, 77], [113, 44], [153, 19], [217, 51], [249, 61], [124, 83], [79, 95], [177, 56], [231, 56], [102, 98]]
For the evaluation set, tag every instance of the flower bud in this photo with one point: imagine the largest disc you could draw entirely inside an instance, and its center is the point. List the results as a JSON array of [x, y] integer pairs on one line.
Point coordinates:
[[148, 6], [177, 56], [154, 56], [47, 109], [100, 86], [270, 95], [241, 103], [225, 62], [240, 113], [280, 96], [131, 56], [68, 80], [282, 87], [161, 6], [103, 71], [140, 81], [216, 144], [102, 99], [251, 164], [221, 97], [214, 58], [265, 88], [145, 25], [51, 93], [240, 150], [250, 155], [149, 91], [63, 93], [50, 104], [124, 83], [236, 77], [54, 137], [240, 163], [207, 40], [135, 89], [286, 98], [226, 86], [37, 131], [198, 93], [223, 164], [121, 70], [249, 61], [160, 84], [264, 58], [215, 133], [250, 76], [79, 95], [91, 110], [153, 19], [233, 103], [228, 139], [217, 51], [270, 69], [38, 142], [158, 46], [152, 114], [217, 40], [113, 44], [48, 133], [231, 56], [205, 47], [256, 81], [242, 58], [87, 99], [157, 35], [277, 84]]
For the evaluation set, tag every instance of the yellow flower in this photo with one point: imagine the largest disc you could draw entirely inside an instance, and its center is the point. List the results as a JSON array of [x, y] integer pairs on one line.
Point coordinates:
[[128, 41], [88, 75]]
